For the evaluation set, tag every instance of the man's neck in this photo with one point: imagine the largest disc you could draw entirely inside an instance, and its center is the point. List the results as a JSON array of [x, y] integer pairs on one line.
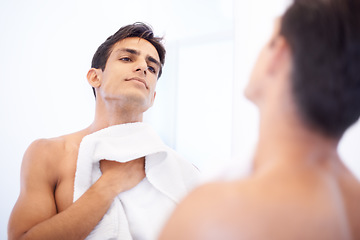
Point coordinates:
[[107, 115], [287, 142]]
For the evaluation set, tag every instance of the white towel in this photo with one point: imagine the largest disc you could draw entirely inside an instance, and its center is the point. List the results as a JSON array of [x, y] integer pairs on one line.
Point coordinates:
[[140, 212]]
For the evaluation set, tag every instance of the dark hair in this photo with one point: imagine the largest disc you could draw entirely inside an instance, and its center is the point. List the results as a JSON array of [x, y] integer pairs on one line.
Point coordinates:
[[138, 29], [324, 37]]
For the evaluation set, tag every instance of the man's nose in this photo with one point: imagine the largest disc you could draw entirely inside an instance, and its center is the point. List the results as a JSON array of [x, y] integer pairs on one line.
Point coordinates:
[[141, 67]]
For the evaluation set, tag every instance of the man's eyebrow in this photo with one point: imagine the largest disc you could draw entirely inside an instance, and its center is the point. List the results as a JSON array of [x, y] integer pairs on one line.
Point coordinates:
[[137, 53], [151, 59], [129, 50]]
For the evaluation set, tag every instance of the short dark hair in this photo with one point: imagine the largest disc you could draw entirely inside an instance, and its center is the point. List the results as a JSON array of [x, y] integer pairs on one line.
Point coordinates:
[[138, 29], [324, 38]]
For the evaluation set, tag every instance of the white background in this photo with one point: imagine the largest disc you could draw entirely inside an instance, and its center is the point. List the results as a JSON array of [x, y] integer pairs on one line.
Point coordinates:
[[46, 48]]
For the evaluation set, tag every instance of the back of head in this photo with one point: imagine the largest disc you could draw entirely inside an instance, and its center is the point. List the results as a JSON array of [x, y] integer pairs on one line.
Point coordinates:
[[140, 30], [324, 38]]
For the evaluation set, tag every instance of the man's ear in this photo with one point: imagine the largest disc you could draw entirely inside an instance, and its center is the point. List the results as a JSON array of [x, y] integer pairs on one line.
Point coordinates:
[[94, 77], [280, 61], [153, 98]]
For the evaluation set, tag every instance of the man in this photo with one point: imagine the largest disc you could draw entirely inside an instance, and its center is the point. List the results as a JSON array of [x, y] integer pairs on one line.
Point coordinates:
[[306, 86], [124, 73]]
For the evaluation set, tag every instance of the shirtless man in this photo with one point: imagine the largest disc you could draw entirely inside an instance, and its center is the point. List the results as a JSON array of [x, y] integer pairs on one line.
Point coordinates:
[[124, 73], [306, 86]]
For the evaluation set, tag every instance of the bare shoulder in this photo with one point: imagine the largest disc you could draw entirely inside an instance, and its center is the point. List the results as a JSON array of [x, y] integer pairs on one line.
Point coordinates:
[[40, 176], [350, 187], [42, 150], [44, 146], [207, 212], [44, 156], [39, 159], [52, 148], [276, 206]]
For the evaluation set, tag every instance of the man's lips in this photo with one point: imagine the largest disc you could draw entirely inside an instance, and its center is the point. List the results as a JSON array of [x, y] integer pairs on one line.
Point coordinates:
[[138, 79]]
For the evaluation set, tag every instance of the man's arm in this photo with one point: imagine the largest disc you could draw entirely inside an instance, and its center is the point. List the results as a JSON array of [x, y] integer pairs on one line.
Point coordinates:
[[35, 213]]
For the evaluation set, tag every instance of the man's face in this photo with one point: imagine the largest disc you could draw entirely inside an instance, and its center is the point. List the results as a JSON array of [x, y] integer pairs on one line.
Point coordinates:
[[257, 84], [131, 73]]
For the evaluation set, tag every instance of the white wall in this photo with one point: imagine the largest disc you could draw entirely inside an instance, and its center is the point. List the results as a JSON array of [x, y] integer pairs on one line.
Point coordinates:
[[46, 48]]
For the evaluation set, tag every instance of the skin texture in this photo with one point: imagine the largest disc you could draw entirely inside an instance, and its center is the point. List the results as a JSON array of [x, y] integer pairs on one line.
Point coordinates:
[[299, 188], [45, 208]]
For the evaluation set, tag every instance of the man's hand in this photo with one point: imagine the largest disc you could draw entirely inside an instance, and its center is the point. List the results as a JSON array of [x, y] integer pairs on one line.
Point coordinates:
[[123, 176]]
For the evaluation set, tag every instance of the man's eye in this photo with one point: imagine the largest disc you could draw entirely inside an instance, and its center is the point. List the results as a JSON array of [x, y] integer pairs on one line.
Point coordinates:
[[126, 59], [151, 69]]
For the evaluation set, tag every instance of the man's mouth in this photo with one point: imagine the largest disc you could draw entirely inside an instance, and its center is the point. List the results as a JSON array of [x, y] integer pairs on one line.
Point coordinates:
[[139, 80]]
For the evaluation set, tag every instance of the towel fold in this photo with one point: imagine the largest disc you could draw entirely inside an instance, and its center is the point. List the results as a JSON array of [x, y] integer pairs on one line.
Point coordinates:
[[140, 212]]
